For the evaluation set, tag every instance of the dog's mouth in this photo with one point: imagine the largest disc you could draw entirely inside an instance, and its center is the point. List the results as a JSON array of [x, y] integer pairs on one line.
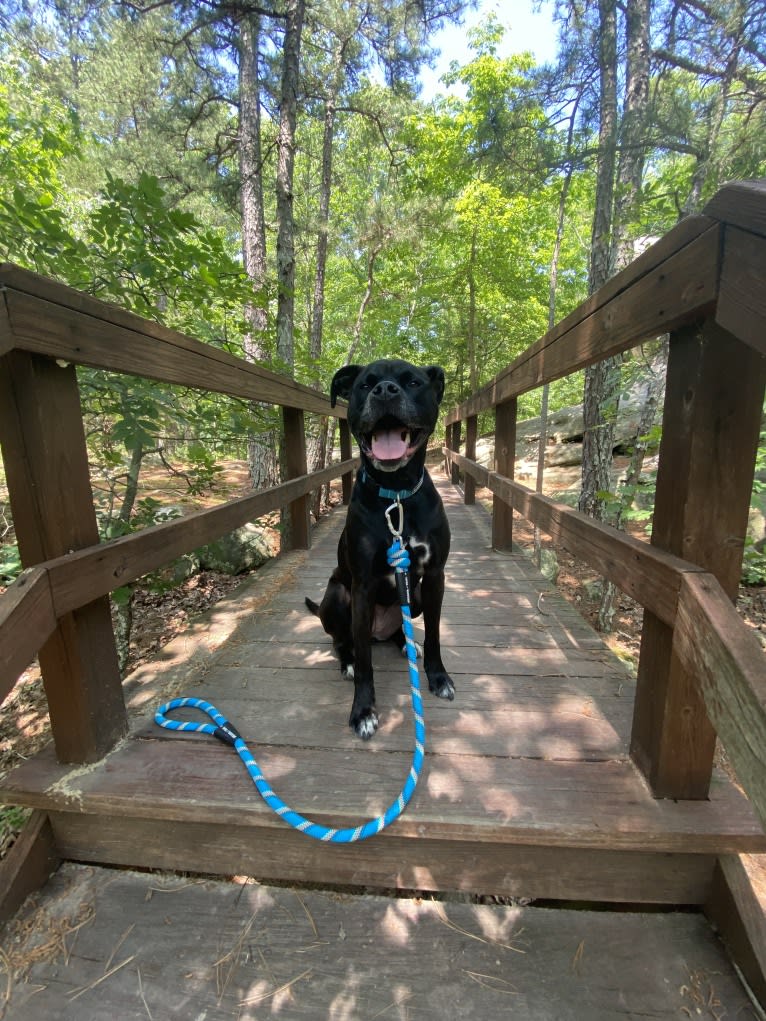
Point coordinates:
[[390, 443]]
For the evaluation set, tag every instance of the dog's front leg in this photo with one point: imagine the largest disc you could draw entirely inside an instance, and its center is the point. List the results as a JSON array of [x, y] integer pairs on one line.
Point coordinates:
[[432, 594], [363, 717]]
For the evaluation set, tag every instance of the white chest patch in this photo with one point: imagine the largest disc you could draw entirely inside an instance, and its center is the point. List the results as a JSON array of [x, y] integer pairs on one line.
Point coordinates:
[[420, 549]]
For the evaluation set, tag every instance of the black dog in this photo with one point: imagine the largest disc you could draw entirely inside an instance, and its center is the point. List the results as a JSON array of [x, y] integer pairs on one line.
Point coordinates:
[[392, 410]]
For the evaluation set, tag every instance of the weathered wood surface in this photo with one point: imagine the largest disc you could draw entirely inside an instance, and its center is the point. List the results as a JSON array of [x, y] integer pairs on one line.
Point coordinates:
[[646, 573], [711, 422], [46, 464], [105, 566], [48, 318], [28, 864], [728, 664], [527, 784], [27, 620], [741, 204], [737, 907], [741, 305], [131, 946]]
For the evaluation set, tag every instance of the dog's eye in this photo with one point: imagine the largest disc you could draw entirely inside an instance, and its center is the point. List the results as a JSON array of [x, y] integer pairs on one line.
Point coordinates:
[[414, 383]]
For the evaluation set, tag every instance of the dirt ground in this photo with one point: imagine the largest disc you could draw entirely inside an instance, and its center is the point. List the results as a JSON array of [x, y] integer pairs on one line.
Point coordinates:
[[159, 616]]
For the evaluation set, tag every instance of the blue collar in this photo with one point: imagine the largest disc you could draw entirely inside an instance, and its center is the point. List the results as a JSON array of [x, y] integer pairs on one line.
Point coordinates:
[[392, 494]]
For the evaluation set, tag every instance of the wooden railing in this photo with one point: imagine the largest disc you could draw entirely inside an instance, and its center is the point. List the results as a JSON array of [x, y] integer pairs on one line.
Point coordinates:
[[58, 607], [701, 671]]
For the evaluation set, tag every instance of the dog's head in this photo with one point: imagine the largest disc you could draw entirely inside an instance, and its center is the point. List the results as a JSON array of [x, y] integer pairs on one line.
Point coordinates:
[[392, 409]]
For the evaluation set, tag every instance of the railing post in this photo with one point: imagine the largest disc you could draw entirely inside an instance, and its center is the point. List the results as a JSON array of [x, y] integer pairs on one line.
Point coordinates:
[[505, 461], [347, 480], [469, 483], [295, 465], [711, 423], [454, 444], [46, 464]]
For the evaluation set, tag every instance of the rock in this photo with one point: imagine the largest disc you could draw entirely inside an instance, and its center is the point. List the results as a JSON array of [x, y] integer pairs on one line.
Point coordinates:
[[244, 549], [549, 565]]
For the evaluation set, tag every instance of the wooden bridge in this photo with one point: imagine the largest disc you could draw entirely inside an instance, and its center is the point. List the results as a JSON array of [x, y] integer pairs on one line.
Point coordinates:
[[554, 775]]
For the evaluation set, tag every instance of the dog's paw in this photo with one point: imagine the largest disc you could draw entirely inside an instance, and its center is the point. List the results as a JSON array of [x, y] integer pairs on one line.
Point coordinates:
[[348, 671], [365, 725], [442, 686]]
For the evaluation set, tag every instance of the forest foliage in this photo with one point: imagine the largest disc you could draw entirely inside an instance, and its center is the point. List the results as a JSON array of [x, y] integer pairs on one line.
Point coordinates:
[[413, 226]]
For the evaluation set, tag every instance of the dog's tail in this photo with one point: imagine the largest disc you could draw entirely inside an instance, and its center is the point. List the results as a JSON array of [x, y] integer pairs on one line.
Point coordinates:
[[314, 607]]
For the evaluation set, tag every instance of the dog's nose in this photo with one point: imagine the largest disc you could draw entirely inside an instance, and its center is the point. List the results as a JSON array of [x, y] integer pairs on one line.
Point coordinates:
[[386, 388]]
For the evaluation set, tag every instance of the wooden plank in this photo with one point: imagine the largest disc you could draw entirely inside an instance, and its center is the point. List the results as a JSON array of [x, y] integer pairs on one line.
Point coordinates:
[[741, 305], [461, 798], [296, 467], [6, 337], [29, 863], [725, 658], [742, 204], [503, 717], [27, 620], [737, 907], [505, 464], [390, 861], [711, 422], [469, 486], [454, 444], [51, 319], [647, 574], [165, 946], [99, 569], [674, 282], [46, 465]]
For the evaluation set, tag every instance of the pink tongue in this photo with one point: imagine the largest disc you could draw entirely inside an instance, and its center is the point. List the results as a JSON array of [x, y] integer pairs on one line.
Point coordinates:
[[388, 445]]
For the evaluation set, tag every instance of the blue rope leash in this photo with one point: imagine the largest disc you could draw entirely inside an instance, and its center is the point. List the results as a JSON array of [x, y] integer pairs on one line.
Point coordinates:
[[399, 559]]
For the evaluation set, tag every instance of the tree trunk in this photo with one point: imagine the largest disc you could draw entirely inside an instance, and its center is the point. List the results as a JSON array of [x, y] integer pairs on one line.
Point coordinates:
[[288, 109], [261, 446], [318, 448], [552, 286], [602, 381], [630, 169], [285, 165], [473, 370], [630, 172], [366, 297]]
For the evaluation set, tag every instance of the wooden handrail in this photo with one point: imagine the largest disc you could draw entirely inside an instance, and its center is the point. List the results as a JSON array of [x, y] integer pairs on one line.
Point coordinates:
[[718, 648], [46, 330], [31, 607], [675, 282], [647, 574], [700, 669], [47, 318], [27, 620], [710, 638]]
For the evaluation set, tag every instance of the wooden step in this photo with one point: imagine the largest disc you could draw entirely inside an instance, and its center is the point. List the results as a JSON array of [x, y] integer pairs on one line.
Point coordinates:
[[104, 944], [521, 827]]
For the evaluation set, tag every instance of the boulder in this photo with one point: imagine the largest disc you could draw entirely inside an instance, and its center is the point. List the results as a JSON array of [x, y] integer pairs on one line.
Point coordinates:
[[242, 550]]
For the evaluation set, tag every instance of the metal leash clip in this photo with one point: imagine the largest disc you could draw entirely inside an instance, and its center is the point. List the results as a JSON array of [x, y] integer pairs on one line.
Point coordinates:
[[396, 505]]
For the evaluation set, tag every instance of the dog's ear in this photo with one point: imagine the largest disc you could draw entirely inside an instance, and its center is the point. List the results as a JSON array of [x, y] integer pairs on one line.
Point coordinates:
[[436, 375], [342, 382]]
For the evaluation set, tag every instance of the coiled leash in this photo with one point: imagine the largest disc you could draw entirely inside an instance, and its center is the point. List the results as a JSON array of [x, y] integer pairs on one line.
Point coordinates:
[[399, 559]]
